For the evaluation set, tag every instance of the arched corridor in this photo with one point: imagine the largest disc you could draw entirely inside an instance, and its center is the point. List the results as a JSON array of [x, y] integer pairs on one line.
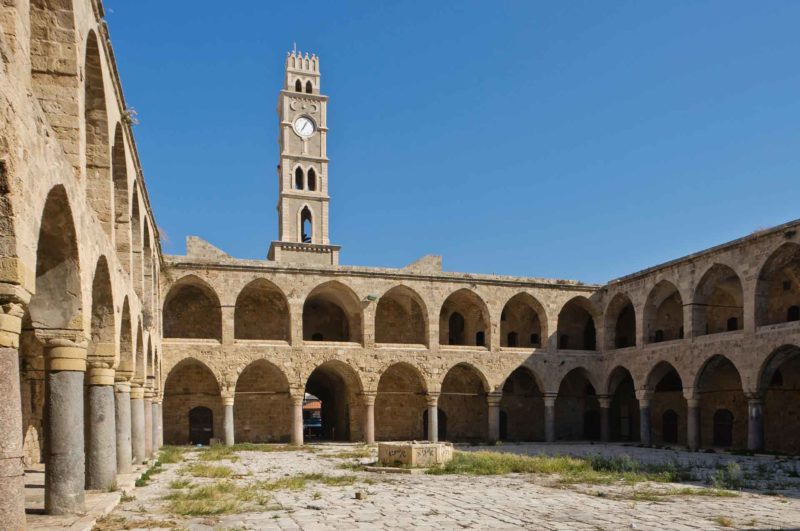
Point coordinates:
[[577, 408], [718, 304], [401, 318], [723, 407], [192, 310], [191, 385], [463, 401], [576, 326], [623, 415], [779, 384], [262, 406], [778, 287], [332, 312], [339, 390], [663, 314], [522, 406], [668, 408], [620, 323], [262, 312], [464, 320], [400, 404], [522, 322]]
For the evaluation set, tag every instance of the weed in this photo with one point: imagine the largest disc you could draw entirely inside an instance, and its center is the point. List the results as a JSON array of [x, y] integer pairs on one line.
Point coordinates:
[[317, 495], [202, 470], [171, 454], [723, 521], [729, 477], [179, 484], [354, 454], [144, 479], [223, 497], [127, 498], [113, 487]]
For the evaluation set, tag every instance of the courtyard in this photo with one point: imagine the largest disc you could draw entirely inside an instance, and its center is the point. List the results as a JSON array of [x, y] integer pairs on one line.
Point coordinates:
[[325, 486]]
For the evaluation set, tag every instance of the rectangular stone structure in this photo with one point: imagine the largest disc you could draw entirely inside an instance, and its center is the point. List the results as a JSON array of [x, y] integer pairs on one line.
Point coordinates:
[[414, 454]]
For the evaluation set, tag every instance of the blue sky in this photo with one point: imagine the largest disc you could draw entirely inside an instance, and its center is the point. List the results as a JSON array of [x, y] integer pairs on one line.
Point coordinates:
[[582, 140]]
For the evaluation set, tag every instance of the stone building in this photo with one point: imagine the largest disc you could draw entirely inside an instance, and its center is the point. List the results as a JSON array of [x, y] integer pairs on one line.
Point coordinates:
[[109, 348]]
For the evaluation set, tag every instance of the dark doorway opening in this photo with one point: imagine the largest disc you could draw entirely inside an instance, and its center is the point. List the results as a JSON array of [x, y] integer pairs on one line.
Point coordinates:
[[723, 428], [442, 420], [669, 427], [201, 426]]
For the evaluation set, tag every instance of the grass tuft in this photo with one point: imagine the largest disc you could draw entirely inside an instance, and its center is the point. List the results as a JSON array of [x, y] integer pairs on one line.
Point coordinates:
[[360, 453], [202, 470], [177, 484], [171, 454], [723, 521]]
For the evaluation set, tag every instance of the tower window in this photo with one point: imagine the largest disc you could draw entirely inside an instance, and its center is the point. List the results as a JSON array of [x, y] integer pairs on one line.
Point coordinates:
[[309, 88], [312, 179], [298, 86], [306, 227], [298, 179]]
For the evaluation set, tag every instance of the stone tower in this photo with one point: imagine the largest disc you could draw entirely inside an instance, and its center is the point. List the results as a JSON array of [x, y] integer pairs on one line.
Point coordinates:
[[303, 169]]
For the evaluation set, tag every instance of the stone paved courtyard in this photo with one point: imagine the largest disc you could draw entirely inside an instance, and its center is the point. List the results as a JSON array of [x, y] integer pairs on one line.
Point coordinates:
[[327, 499]]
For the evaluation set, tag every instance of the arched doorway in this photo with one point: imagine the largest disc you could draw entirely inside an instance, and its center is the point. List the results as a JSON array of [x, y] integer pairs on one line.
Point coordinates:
[[332, 312], [401, 318], [522, 407], [190, 386], [778, 287], [399, 403], [261, 313], [620, 322], [623, 418], [720, 389], [338, 388], [663, 314], [464, 320], [262, 407], [463, 400], [779, 383], [576, 326], [522, 322], [192, 310], [201, 426], [577, 408], [718, 304], [668, 408]]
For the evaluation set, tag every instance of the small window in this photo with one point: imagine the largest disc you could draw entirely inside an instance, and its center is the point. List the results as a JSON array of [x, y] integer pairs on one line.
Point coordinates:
[[563, 342], [535, 340], [733, 324], [309, 87], [512, 339], [298, 86], [793, 314], [312, 179], [298, 179], [306, 228], [659, 336], [480, 338]]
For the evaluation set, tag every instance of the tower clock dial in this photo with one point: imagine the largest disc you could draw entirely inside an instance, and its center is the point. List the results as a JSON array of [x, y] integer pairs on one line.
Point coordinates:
[[304, 126]]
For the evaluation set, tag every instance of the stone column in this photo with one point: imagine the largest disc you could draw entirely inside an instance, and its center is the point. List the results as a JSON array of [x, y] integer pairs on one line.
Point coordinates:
[[158, 420], [693, 423], [155, 427], [148, 422], [137, 423], [101, 448], [122, 413], [65, 465], [550, 418], [605, 416], [755, 423], [297, 420], [227, 404], [12, 472], [369, 418], [644, 421], [433, 416], [493, 403]]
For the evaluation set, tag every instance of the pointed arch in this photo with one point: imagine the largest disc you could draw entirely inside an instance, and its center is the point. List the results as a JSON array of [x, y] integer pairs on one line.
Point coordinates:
[[663, 313], [262, 405], [57, 302], [719, 388], [523, 406], [779, 384], [620, 322], [463, 401], [306, 225], [577, 329], [137, 266], [577, 409], [464, 320], [126, 333], [778, 286], [668, 406], [309, 87], [332, 312], [312, 180], [523, 322], [140, 366], [190, 386], [299, 179], [192, 310], [261, 312], [401, 317], [338, 386], [99, 190], [718, 304], [103, 332], [623, 415], [119, 175], [298, 86], [400, 403]]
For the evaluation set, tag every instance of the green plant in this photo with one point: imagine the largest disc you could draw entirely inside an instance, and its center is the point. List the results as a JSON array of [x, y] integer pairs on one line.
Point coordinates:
[[728, 477], [202, 470]]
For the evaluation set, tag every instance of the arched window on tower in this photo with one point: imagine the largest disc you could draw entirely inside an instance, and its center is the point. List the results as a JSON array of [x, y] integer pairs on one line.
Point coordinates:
[[312, 179], [306, 227], [309, 88], [298, 86], [298, 179]]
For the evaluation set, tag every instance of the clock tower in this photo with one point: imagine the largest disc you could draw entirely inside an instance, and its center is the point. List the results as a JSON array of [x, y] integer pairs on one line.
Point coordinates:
[[303, 170]]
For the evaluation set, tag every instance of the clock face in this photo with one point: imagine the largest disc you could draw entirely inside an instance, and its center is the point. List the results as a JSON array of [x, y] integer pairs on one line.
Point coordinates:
[[304, 126]]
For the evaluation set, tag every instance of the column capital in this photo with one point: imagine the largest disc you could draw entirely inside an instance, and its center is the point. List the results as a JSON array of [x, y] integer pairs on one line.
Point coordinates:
[[298, 400], [690, 393], [64, 350], [604, 401], [693, 402], [369, 398], [13, 300], [432, 398], [550, 399], [493, 398], [137, 392], [122, 386], [99, 376], [644, 395]]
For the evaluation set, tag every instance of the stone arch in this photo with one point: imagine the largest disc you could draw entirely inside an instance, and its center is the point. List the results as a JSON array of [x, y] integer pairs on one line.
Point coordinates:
[[668, 407], [577, 409], [338, 387], [523, 406], [778, 286], [190, 385], [523, 321], [620, 322], [103, 332], [262, 407], [149, 275], [96, 142], [299, 178], [261, 312], [719, 387], [464, 320], [779, 385], [306, 225], [577, 329], [718, 304], [332, 312], [139, 375], [463, 400], [401, 317], [125, 367], [663, 313], [312, 179], [623, 414], [57, 301], [400, 403], [136, 243], [54, 71], [192, 310], [122, 208]]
